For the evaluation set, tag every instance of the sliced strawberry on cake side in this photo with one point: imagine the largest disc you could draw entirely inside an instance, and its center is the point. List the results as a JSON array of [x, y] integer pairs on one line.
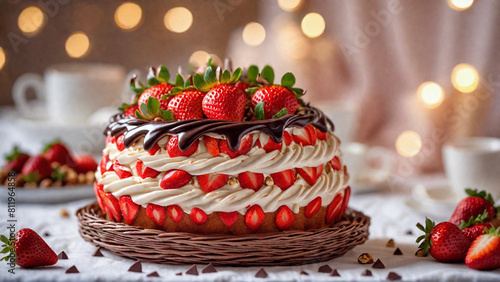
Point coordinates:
[[333, 210], [254, 217], [250, 180], [245, 146], [198, 216], [144, 171], [129, 209], [121, 170], [174, 179], [212, 145], [212, 181], [157, 214], [112, 207], [173, 149], [228, 218], [284, 218], [309, 174], [313, 207], [284, 179], [175, 212]]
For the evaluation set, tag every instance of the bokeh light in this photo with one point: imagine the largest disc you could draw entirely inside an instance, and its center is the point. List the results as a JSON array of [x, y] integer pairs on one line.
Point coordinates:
[[178, 19], [254, 34], [313, 25], [31, 20], [431, 94], [2, 58], [460, 5], [289, 5], [199, 58], [77, 45], [464, 78], [408, 144], [128, 15], [297, 46]]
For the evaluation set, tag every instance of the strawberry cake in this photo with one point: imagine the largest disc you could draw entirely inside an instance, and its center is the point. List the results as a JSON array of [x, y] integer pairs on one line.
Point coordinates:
[[218, 152]]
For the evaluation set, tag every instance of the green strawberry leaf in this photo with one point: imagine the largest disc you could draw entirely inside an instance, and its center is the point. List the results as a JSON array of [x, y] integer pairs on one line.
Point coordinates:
[[174, 91], [209, 76], [179, 81], [473, 220], [267, 73], [152, 81], [298, 92], [480, 194], [153, 105], [281, 113], [199, 83], [6, 250], [144, 109], [57, 174], [209, 63], [138, 114], [14, 154], [236, 75], [167, 115], [4, 239], [163, 74], [187, 83], [288, 80], [32, 177], [426, 243], [259, 111], [252, 73], [225, 77], [49, 145]]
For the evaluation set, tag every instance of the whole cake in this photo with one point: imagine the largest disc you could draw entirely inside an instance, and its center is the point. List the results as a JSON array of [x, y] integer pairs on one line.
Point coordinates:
[[218, 152]]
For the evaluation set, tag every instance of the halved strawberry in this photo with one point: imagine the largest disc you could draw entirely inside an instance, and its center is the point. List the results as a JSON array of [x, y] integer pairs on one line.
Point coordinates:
[[345, 200], [254, 217], [175, 212], [333, 209], [321, 135], [305, 136], [269, 146], [335, 163], [251, 180], [104, 163], [153, 150], [313, 207], [212, 145], [312, 133], [122, 171], [187, 105], [484, 253], [129, 209], [144, 171], [99, 194], [174, 151], [245, 146], [319, 171], [228, 218], [308, 174], [284, 179], [119, 143], [174, 179], [284, 218], [112, 207], [287, 138], [198, 216], [212, 181], [157, 214]]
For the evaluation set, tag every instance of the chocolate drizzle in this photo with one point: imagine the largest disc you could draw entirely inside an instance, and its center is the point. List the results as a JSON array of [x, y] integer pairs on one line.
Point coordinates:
[[188, 131]]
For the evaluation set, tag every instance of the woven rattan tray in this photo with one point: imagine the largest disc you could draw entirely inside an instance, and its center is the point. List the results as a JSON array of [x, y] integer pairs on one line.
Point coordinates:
[[283, 248]]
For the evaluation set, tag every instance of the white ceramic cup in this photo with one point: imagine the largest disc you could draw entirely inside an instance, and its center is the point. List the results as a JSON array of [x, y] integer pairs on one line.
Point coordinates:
[[473, 163], [69, 93], [360, 160]]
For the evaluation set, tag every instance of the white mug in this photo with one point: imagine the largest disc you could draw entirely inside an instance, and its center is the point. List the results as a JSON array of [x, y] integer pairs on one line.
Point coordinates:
[[69, 92], [360, 160], [473, 163]]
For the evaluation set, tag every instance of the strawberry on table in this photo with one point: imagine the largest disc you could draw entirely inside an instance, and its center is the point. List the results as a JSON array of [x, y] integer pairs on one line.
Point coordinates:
[[30, 249], [472, 206], [484, 253], [15, 160], [36, 168], [445, 242], [85, 163], [475, 226]]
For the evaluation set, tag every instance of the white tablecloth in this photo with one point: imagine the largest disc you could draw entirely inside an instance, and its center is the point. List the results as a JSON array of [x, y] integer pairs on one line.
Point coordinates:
[[391, 218]]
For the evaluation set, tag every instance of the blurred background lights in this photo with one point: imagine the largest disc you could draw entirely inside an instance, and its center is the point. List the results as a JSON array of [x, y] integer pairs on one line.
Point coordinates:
[[128, 15], [254, 34], [31, 20], [77, 45], [297, 46], [313, 25], [460, 5], [408, 144], [198, 58], [178, 19], [464, 78], [2, 58], [289, 5], [431, 94]]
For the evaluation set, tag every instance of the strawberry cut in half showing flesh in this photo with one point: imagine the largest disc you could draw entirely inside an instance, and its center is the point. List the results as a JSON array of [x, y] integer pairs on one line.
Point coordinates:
[[144, 171], [212, 181], [313, 207], [284, 179], [174, 179], [175, 212], [129, 209], [157, 214], [250, 180], [174, 151], [112, 207], [228, 218], [254, 217], [484, 253], [198, 216], [245, 146], [284, 218], [333, 210]]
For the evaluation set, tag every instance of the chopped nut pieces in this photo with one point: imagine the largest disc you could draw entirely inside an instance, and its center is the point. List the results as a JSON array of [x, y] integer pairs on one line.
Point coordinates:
[[420, 254], [390, 244], [365, 258], [63, 213]]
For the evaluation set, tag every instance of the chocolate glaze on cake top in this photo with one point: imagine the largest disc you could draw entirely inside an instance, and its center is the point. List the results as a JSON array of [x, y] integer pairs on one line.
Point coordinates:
[[188, 131]]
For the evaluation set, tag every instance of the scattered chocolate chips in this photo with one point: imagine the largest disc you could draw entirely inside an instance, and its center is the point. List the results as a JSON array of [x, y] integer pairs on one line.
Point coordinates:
[[393, 276], [409, 232], [261, 273], [398, 252], [365, 258], [62, 255], [378, 264], [209, 269], [390, 243], [97, 253], [335, 273], [72, 269], [325, 269], [178, 274], [153, 274], [420, 254], [367, 272], [304, 273], [192, 270], [136, 267], [46, 234]]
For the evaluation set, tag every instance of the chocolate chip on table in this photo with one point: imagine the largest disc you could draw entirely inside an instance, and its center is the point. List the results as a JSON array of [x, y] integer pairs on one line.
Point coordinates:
[[178, 274], [192, 270], [367, 272], [390, 243], [62, 255], [261, 273], [72, 269], [46, 234], [97, 253], [335, 273], [378, 264], [365, 258], [393, 276], [304, 273], [209, 269], [325, 269], [153, 274], [398, 252], [409, 232], [136, 267]]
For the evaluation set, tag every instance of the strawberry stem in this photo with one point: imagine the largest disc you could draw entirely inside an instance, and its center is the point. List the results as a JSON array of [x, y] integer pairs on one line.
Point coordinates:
[[426, 238]]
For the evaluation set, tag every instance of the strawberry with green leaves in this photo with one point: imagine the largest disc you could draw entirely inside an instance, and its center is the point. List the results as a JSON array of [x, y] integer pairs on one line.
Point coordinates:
[[36, 168], [30, 249], [472, 206], [475, 226], [223, 101], [484, 253], [57, 152], [15, 160], [248, 79], [278, 99], [445, 242], [185, 101]]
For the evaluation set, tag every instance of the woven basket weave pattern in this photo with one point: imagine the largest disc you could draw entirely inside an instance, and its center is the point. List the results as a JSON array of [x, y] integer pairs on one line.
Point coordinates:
[[267, 249]]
